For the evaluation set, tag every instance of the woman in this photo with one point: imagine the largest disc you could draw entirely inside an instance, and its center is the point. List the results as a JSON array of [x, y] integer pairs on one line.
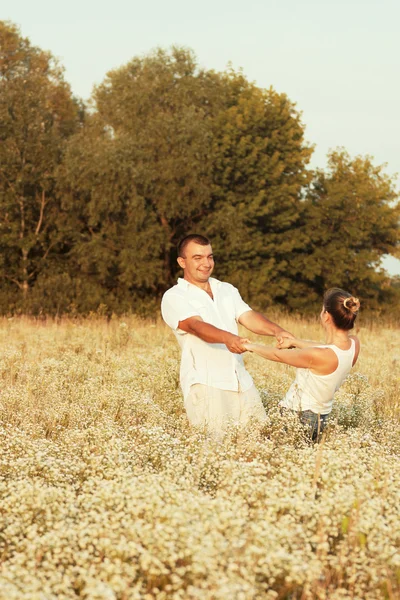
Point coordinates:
[[322, 368]]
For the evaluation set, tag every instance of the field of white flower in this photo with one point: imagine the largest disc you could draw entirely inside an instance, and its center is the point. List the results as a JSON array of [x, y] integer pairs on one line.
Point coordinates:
[[107, 493]]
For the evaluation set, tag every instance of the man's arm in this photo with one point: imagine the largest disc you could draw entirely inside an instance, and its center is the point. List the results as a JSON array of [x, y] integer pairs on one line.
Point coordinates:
[[257, 323], [212, 335]]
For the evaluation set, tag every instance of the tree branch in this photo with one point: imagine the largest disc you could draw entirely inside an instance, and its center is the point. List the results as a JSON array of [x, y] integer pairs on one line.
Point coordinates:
[[19, 284], [42, 205], [45, 255]]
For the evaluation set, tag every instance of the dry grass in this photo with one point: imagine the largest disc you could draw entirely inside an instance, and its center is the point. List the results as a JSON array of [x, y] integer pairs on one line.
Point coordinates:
[[106, 492]]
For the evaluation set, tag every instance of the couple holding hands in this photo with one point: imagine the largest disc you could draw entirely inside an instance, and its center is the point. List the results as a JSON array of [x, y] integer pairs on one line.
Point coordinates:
[[204, 314]]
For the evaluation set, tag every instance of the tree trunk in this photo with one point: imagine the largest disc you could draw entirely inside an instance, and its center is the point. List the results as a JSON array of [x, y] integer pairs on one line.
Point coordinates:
[[25, 277]]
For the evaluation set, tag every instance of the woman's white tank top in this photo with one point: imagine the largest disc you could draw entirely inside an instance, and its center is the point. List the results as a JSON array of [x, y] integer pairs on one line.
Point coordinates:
[[315, 392]]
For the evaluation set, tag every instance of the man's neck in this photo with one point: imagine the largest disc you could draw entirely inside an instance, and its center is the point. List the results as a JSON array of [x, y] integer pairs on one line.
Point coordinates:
[[200, 284]]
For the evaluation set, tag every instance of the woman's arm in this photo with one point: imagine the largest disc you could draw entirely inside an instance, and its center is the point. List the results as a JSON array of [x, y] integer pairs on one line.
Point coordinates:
[[321, 361], [285, 343]]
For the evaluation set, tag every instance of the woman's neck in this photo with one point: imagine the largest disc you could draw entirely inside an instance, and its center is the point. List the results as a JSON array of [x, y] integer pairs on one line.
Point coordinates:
[[336, 336]]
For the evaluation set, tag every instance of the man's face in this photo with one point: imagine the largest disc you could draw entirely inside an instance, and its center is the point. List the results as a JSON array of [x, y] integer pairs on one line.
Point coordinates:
[[198, 263]]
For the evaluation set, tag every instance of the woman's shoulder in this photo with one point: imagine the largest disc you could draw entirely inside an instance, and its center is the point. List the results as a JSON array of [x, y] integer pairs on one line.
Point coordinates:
[[356, 340], [325, 360], [357, 347]]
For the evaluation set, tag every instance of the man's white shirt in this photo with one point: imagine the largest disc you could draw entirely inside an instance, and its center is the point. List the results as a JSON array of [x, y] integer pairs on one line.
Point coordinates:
[[209, 364]]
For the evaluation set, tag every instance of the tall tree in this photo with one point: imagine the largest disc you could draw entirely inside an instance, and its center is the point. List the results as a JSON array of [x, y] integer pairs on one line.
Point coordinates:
[[140, 172], [159, 109], [176, 149], [115, 239], [260, 160], [350, 220], [37, 115]]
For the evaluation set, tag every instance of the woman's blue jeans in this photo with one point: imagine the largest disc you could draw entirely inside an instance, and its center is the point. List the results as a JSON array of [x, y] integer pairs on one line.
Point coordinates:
[[314, 422]]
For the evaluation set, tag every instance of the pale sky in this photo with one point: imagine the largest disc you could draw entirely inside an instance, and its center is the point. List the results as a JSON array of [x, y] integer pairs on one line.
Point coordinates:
[[339, 61]]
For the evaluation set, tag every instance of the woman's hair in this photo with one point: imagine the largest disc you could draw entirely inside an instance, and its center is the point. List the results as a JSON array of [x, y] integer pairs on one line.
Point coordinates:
[[342, 307]]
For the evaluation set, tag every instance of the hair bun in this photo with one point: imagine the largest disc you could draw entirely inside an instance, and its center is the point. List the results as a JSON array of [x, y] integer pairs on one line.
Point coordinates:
[[352, 304]]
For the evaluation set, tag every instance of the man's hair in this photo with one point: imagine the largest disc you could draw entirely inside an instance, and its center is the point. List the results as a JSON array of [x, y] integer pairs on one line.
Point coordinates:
[[193, 237]]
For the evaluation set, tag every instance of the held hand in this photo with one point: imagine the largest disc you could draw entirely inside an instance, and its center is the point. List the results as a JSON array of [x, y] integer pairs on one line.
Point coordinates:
[[236, 344], [248, 346], [284, 334], [284, 343]]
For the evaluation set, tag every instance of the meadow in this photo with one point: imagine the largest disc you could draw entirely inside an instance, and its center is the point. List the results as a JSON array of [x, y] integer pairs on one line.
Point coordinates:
[[107, 493]]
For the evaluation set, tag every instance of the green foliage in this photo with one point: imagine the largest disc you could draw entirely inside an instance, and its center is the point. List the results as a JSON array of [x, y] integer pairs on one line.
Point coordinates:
[[260, 169], [37, 115], [172, 149], [138, 174], [92, 205], [350, 220]]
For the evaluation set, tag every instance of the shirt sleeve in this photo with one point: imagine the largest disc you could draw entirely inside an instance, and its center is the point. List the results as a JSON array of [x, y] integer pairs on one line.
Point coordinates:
[[240, 305], [174, 308]]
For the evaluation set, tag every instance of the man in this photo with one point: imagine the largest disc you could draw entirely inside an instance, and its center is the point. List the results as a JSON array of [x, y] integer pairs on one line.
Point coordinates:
[[204, 314]]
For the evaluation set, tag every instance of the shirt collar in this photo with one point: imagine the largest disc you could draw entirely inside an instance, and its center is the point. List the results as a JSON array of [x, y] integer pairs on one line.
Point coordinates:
[[185, 284]]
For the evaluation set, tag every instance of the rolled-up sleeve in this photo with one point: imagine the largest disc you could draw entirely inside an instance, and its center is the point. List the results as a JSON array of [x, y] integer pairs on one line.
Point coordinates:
[[175, 308], [240, 305]]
